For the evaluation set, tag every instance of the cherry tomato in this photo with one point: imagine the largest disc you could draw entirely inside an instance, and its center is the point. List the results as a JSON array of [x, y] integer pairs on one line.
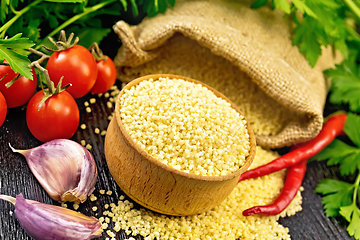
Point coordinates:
[[106, 76], [78, 67], [3, 109], [57, 118], [21, 91]]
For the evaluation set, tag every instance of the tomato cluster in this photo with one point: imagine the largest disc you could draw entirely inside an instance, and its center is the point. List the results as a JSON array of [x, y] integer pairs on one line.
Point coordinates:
[[58, 116], [18, 94]]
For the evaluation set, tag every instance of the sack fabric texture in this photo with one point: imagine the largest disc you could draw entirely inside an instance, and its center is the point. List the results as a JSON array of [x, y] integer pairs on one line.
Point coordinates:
[[244, 53]]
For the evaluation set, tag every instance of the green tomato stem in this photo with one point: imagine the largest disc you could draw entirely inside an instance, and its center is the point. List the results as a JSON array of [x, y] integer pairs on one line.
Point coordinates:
[[353, 7], [75, 18], [18, 14]]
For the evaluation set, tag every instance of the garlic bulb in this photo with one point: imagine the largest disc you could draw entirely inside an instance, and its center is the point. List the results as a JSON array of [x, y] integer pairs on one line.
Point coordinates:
[[44, 221], [65, 169]]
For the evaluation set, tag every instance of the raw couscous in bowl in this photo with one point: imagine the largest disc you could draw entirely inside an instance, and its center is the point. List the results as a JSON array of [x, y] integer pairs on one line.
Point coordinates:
[[177, 146]]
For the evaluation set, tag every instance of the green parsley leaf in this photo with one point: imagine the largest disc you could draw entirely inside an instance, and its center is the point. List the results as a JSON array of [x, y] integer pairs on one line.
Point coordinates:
[[171, 2], [342, 46], [351, 128], [66, 1], [124, 3], [4, 9], [134, 8], [153, 7], [302, 7], [306, 36], [345, 84], [11, 49], [88, 35], [259, 3], [337, 193], [320, 23], [340, 198], [283, 5], [341, 153], [352, 214]]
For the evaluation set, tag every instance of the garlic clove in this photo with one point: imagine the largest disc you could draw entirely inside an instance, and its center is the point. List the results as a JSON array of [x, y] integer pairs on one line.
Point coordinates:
[[44, 221], [65, 169]]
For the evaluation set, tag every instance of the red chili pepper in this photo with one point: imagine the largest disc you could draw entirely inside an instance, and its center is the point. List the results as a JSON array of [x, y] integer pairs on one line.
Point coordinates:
[[294, 178], [332, 128]]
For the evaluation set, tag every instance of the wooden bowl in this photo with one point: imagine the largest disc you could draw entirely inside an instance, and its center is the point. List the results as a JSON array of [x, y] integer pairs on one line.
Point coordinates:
[[157, 186]]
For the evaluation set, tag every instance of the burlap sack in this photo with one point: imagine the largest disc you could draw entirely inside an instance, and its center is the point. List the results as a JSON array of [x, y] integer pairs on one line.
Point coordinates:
[[246, 54]]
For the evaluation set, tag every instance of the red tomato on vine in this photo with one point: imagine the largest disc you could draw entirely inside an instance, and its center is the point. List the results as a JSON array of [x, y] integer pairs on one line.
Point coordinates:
[[3, 109], [106, 76], [58, 116], [20, 92], [77, 66]]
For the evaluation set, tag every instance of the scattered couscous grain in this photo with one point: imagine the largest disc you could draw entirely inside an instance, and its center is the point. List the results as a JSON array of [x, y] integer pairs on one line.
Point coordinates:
[[94, 209], [83, 126], [225, 221], [106, 206], [115, 93], [92, 100], [83, 142], [103, 133], [76, 206], [88, 147], [107, 94], [102, 191], [109, 104], [86, 104], [104, 226], [88, 109], [109, 192], [64, 205], [185, 126], [97, 131], [93, 198], [100, 95]]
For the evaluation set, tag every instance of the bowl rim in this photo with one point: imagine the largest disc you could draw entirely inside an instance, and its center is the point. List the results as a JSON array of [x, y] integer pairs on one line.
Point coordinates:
[[248, 160]]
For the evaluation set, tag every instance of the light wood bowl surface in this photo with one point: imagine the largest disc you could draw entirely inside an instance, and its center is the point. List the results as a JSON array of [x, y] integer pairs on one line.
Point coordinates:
[[157, 186]]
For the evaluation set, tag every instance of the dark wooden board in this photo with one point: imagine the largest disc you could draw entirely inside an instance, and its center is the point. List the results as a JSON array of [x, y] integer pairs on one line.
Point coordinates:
[[16, 177]]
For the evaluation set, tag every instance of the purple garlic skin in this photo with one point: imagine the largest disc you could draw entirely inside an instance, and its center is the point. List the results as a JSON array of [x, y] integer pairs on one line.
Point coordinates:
[[44, 222], [65, 169]]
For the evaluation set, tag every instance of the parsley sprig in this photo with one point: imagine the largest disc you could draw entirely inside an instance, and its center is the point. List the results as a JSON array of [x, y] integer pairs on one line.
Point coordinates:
[[14, 50], [342, 198], [345, 83], [28, 23], [320, 23]]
